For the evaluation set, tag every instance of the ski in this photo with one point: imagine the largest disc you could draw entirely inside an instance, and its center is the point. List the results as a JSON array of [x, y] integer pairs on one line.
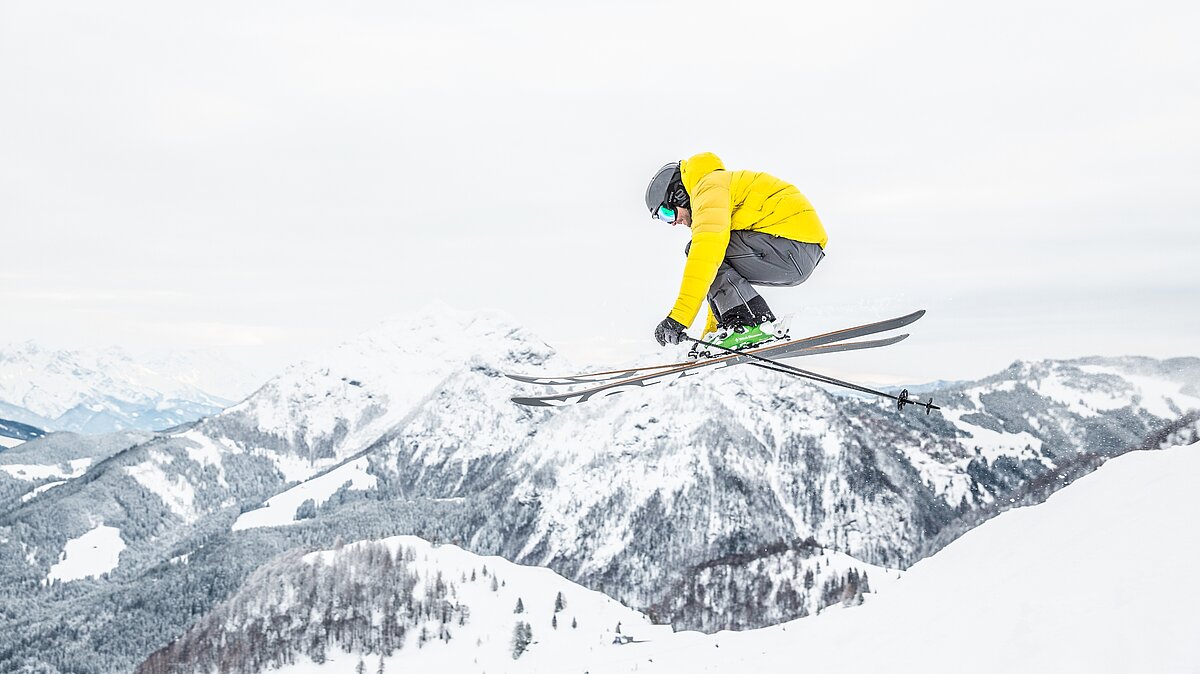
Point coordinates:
[[622, 384], [775, 365], [776, 350], [793, 344]]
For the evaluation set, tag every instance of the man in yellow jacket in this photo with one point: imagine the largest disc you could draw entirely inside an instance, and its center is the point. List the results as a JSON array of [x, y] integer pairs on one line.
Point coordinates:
[[748, 229]]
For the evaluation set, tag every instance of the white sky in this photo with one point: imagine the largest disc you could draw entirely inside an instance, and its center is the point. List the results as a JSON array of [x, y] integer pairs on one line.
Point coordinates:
[[268, 179]]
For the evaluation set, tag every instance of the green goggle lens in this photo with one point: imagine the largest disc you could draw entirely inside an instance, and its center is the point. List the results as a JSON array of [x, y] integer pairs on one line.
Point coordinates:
[[665, 214]]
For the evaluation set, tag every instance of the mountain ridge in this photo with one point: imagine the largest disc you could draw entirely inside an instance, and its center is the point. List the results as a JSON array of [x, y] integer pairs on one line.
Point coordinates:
[[95, 391]]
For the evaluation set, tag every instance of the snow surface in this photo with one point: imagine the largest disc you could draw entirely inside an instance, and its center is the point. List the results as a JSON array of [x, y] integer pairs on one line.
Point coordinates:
[[484, 643], [65, 470], [280, 509], [1097, 579], [353, 394], [176, 492], [43, 488], [8, 443], [88, 556]]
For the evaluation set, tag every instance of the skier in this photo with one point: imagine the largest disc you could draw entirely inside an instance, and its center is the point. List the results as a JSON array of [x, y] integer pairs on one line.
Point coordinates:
[[748, 228]]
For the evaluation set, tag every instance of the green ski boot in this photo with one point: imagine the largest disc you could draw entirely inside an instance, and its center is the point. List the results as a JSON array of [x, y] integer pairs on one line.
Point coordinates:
[[745, 337]]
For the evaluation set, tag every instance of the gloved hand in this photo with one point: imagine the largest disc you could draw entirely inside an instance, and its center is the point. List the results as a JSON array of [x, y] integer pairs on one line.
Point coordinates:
[[670, 331]]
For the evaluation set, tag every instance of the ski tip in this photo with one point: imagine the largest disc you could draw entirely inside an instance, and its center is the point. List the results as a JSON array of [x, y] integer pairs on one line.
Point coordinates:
[[530, 402], [523, 378]]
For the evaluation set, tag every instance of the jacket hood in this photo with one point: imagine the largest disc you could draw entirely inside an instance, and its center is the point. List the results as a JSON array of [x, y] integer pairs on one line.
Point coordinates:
[[698, 166]]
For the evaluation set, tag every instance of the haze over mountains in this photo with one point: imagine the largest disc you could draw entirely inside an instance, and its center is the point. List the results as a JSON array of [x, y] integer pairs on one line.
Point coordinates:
[[100, 391], [736, 500]]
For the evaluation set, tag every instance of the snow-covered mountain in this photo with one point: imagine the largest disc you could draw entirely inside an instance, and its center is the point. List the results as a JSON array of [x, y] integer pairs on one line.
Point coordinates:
[[1034, 589], [704, 503], [95, 392]]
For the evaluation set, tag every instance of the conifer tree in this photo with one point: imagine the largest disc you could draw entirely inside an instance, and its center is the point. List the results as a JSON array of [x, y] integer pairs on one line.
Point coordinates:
[[522, 637]]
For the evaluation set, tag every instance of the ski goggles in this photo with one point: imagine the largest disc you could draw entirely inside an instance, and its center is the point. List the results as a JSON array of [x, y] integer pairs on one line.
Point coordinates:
[[666, 214]]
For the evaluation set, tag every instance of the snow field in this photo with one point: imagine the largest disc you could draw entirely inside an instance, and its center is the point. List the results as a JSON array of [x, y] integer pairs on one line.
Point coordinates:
[[42, 488], [94, 553], [280, 510], [207, 452], [65, 470], [176, 493], [1097, 579], [484, 643]]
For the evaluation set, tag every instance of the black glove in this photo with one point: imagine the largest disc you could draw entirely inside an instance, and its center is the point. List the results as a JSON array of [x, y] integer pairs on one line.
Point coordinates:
[[670, 331]]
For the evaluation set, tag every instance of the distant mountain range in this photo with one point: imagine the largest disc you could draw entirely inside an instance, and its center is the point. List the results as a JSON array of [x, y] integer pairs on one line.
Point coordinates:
[[710, 503], [13, 433], [98, 391]]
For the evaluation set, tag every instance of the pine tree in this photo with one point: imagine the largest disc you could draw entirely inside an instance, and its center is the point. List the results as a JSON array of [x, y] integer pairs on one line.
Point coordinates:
[[559, 603], [520, 606], [554, 621], [574, 623], [522, 637]]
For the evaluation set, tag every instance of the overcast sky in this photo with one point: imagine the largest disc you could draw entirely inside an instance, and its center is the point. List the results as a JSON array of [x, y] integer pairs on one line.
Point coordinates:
[[268, 179]]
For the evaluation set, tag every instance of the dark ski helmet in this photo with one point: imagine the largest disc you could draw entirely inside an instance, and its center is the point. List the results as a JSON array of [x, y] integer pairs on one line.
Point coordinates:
[[666, 189]]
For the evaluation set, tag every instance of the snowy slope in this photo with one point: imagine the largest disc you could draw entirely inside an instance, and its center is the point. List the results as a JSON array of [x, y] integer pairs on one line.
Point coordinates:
[[94, 391], [92, 554], [1097, 579], [480, 601], [346, 399], [485, 598], [40, 464], [282, 509], [1093, 580]]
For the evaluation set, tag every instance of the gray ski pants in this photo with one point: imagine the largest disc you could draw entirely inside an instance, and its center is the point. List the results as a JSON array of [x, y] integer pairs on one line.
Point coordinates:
[[757, 259]]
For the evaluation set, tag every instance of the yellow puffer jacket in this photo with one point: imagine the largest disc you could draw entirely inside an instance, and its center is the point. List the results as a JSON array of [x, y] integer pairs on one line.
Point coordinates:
[[723, 201]]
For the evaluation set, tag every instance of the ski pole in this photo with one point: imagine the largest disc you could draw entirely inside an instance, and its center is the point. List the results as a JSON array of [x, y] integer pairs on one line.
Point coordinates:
[[774, 365]]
